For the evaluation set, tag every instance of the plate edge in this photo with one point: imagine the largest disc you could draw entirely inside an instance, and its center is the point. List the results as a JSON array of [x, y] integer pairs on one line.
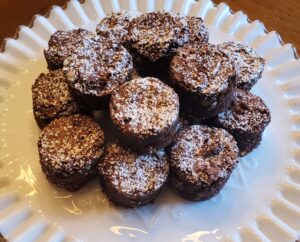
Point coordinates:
[[65, 6]]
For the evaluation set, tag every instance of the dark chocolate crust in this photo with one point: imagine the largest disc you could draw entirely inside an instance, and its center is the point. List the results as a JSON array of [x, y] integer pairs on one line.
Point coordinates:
[[90, 102], [145, 112], [130, 179], [246, 119], [248, 64], [195, 192], [63, 43], [95, 71], [51, 98], [204, 78], [201, 161], [146, 68], [70, 149], [115, 26]]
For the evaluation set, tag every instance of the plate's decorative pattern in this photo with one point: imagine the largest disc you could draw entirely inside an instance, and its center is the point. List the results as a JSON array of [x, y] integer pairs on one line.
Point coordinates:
[[261, 201]]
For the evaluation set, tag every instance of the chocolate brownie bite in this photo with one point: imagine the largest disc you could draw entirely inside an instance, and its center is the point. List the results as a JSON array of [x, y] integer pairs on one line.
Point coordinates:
[[198, 32], [152, 38], [249, 65], [115, 26], [63, 43], [245, 119], [201, 161], [95, 71], [130, 179], [70, 149], [204, 78], [145, 112], [51, 98]]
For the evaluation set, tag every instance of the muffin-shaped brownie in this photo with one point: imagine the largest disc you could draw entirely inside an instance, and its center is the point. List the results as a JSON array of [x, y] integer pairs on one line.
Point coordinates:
[[70, 149], [51, 98], [152, 38], [204, 78], [145, 112], [95, 71], [130, 179], [115, 25], [201, 161], [245, 119], [248, 64], [198, 32], [63, 43]]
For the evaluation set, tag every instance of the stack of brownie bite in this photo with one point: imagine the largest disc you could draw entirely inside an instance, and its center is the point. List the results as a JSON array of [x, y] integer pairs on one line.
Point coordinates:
[[181, 107]]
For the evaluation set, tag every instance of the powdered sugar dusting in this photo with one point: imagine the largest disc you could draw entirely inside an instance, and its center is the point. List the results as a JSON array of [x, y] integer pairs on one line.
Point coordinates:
[[63, 43], [99, 67], [248, 113], [198, 32], [204, 154], [134, 174], [115, 25], [248, 64], [51, 96], [201, 69], [71, 144], [155, 35], [144, 106]]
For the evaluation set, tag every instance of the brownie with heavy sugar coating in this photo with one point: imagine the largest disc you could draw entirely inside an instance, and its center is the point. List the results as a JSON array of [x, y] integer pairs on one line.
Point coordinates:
[[51, 98], [204, 78], [248, 64], [70, 149], [246, 119], [145, 112], [201, 161], [63, 43], [198, 32], [115, 26], [132, 180], [152, 39], [95, 71]]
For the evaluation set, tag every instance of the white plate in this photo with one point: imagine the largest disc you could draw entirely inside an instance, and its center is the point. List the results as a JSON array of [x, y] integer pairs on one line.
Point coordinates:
[[261, 201]]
